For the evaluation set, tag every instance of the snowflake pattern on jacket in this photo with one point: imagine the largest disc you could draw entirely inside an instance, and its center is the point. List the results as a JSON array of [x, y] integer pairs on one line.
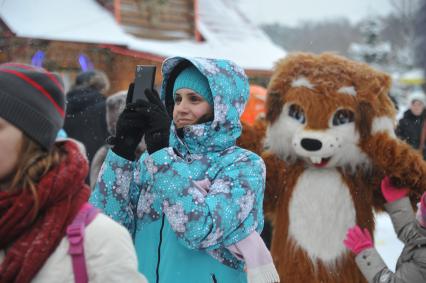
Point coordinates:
[[167, 181]]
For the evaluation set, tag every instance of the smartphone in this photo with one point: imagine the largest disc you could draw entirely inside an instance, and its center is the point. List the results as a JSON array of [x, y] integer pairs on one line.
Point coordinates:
[[144, 79]]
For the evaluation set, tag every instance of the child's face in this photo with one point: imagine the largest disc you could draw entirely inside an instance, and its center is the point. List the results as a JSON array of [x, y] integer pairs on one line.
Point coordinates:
[[190, 108], [417, 107], [10, 145]]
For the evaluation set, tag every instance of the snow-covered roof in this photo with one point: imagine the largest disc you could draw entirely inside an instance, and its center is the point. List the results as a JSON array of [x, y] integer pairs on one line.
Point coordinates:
[[226, 32], [67, 20]]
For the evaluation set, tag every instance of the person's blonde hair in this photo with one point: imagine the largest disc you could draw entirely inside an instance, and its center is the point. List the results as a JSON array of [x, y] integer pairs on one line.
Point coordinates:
[[34, 162]]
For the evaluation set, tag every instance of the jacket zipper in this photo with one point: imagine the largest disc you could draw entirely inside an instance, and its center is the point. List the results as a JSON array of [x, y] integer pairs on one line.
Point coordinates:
[[188, 156], [157, 271]]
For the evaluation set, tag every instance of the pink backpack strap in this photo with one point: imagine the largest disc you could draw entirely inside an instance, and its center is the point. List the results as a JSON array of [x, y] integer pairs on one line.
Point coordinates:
[[75, 234]]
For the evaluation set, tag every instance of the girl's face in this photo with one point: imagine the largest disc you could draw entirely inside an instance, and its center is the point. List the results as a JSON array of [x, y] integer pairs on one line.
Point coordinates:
[[10, 145], [190, 108]]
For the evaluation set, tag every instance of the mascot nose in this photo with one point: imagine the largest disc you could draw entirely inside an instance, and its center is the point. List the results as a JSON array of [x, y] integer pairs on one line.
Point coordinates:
[[311, 144]]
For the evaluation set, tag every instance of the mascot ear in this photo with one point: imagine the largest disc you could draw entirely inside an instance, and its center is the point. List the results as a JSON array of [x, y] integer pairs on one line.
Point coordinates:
[[373, 88], [274, 104], [375, 109], [365, 119]]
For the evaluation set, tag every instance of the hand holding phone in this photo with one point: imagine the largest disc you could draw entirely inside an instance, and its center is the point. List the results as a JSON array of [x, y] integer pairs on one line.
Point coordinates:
[[144, 79]]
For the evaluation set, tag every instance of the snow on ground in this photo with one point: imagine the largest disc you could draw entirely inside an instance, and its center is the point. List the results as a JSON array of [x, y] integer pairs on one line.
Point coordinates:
[[386, 241]]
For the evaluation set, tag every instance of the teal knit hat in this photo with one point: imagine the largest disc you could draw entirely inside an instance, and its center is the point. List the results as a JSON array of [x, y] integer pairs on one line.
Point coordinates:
[[193, 79]]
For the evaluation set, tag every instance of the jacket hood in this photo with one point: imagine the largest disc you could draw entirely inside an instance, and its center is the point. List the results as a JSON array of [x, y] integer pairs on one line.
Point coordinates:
[[230, 90], [79, 100]]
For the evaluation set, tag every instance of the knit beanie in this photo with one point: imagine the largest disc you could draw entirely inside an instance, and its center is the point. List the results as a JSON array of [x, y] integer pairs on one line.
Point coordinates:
[[193, 79], [417, 96], [32, 99]]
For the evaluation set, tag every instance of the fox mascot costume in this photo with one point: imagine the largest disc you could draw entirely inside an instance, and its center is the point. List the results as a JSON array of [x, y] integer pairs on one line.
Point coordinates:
[[329, 142]]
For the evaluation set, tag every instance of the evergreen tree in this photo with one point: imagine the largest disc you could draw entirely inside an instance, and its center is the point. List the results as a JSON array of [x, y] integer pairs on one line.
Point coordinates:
[[372, 50], [421, 36]]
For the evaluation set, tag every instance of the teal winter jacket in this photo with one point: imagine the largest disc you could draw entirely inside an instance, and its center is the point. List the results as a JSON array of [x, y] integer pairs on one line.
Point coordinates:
[[184, 204]]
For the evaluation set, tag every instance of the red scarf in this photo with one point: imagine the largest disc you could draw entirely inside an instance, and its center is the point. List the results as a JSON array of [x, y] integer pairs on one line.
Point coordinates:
[[61, 193]]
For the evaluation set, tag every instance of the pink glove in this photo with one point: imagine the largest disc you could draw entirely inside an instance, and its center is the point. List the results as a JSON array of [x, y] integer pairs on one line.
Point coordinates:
[[358, 240], [391, 193]]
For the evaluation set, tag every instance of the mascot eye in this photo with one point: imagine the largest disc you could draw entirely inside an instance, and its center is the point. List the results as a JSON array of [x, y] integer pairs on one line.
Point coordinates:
[[296, 112], [343, 116]]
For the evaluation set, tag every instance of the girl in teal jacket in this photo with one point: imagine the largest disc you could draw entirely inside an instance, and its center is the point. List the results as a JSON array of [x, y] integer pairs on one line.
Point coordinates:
[[194, 192]]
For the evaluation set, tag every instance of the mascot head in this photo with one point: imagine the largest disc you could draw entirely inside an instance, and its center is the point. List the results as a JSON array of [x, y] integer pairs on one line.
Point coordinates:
[[320, 107]]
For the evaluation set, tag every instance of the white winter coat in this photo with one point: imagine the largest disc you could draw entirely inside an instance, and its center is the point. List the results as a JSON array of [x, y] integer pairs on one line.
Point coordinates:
[[109, 252]]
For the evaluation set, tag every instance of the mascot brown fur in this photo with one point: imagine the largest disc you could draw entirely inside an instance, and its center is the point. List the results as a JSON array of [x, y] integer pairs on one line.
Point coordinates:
[[329, 142]]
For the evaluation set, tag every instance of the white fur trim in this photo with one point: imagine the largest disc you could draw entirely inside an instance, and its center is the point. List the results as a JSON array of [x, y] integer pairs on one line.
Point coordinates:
[[383, 124], [348, 154], [347, 90], [279, 135], [321, 210], [302, 82]]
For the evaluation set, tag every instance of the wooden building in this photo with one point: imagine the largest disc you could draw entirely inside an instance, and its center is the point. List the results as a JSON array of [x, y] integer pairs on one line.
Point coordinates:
[[116, 35]]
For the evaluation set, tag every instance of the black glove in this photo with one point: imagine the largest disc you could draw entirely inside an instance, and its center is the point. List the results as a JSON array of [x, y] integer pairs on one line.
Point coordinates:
[[157, 133], [131, 126]]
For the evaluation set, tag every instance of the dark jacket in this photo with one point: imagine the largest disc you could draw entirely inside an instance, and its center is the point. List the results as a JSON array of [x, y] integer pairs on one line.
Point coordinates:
[[411, 265], [85, 119], [409, 129]]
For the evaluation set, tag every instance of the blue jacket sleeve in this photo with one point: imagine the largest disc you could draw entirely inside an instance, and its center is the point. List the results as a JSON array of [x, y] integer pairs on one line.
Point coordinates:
[[116, 192], [229, 212]]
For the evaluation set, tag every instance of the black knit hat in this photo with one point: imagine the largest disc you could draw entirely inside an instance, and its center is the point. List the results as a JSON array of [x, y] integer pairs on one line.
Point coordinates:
[[33, 100]]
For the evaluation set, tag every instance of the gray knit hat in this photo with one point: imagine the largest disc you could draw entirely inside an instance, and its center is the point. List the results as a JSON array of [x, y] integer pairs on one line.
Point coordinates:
[[33, 100]]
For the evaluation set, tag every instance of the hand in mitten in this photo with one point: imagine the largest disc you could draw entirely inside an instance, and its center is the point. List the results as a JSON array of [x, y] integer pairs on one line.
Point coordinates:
[[358, 240], [131, 126], [157, 134], [390, 192]]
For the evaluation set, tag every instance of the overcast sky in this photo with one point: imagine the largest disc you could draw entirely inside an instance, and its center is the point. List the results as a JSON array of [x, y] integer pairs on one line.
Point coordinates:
[[292, 12]]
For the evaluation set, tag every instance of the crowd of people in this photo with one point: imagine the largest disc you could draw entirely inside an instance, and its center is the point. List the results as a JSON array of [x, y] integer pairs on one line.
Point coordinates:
[[411, 127], [170, 196]]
